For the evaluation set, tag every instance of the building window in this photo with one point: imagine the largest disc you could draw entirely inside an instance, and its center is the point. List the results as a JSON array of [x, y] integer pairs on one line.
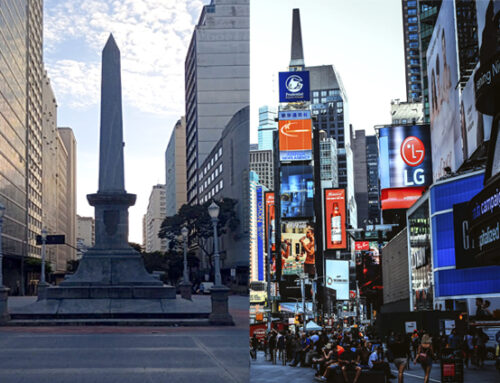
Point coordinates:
[[413, 44], [323, 93], [413, 28], [315, 94], [413, 36], [412, 12], [412, 3], [412, 20], [220, 151]]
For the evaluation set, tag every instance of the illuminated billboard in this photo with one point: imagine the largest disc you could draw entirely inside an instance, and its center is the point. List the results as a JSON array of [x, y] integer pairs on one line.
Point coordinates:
[[294, 86], [297, 248], [443, 76], [260, 233], [295, 135], [297, 191], [402, 198], [335, 219], [337, 278], [405, 156], [270, 219]]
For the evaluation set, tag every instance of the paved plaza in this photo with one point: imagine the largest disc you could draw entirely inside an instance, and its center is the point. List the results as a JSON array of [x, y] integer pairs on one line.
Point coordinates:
[[126, 354], [262, 371]]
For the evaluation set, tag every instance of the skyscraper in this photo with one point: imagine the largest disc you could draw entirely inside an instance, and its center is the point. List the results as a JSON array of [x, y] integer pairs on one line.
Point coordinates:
[[267, 124], [216, 80], [21, 75], [155, 215], [175, 165]]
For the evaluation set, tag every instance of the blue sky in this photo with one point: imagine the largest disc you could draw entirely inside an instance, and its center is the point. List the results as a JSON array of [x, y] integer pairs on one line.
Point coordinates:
[[153, 36], [362, 38]]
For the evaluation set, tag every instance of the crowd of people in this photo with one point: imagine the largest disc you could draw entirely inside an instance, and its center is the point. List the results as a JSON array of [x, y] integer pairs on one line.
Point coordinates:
[[340, 352]]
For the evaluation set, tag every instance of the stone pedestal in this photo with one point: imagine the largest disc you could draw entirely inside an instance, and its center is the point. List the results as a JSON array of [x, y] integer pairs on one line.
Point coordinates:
[[185, 288], [220, 310], [4, 312], [42, 290]]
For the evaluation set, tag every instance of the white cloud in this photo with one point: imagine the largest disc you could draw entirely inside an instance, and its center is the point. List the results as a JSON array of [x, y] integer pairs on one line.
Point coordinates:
[[153, 36]]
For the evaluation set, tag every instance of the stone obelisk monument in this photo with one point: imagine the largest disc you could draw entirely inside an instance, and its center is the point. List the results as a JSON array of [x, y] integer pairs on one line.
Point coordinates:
[[111, 269]]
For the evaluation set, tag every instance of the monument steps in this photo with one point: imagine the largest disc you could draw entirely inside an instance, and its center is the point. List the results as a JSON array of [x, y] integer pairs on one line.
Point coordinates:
[[156, 322]]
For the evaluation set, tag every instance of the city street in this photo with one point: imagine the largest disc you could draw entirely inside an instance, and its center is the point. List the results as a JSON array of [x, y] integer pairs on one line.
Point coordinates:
[[263, 371], [126, 354]]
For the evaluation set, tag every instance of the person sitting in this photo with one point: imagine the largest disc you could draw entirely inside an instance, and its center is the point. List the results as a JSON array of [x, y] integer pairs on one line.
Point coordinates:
[[376, 363], [349, 362], [320, 362], [332, 364]]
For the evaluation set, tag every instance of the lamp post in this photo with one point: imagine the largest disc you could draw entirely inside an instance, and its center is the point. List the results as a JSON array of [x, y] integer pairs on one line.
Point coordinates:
[[42, 285], [4, 291], [219, 293], [185, 286], [213, 211]]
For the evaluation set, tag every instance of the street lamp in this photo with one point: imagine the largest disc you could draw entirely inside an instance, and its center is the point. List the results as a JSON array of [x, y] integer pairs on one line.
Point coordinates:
[[185, 232], [213, 211], [44, 241], [2, 212]]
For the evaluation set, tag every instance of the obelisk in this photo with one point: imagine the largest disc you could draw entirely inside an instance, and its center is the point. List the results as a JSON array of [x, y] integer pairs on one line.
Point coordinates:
[[112, 268], [111, 201]]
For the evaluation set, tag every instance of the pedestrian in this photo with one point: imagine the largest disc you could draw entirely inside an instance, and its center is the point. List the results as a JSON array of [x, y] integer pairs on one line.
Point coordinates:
[[454, 340], [481, 339], [349, 362], [376, 362], [425, 355], [272, 346], [255, 346], [469, 348], [297, 350], [281, 349], [399, 352]]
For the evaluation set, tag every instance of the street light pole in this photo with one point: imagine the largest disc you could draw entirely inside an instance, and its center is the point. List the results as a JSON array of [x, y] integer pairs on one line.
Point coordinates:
[[185, 233], [213, 210], [44, 241]]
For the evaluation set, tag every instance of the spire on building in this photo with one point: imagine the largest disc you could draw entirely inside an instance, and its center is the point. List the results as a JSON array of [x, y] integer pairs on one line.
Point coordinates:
[[297, 54]]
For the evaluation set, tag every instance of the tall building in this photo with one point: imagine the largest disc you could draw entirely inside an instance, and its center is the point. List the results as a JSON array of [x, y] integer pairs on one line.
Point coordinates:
[[225, 174], [216, 80], [85, 234], [372, 178], [365, 150], [407, 112], [34, 59], [68, 142], [155, 215], [328, 162], [175, 165], [21, 75], [261, 162], [267, 125]]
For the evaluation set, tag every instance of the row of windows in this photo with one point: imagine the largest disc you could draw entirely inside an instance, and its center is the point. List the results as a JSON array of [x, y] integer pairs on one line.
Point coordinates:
[[215, 189], [211, 163], [211, 178], [324, 93]]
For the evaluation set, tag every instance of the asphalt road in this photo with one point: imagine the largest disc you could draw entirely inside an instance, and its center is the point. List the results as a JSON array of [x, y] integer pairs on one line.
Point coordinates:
[[127, 354]]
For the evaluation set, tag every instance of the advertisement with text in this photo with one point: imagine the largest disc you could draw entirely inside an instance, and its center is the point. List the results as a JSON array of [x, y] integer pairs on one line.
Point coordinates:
[[335, 219]]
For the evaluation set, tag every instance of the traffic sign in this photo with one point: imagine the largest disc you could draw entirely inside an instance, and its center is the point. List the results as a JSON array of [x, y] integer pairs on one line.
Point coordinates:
[[58, 239]]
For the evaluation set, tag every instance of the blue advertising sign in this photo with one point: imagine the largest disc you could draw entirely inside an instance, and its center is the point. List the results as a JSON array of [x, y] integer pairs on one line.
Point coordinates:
[[405, 156], [260, 233], [297, 191], [294, 86]]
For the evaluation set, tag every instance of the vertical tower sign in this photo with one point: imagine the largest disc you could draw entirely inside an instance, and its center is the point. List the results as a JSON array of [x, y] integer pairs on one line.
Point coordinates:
[[260, 234], [335, 219]]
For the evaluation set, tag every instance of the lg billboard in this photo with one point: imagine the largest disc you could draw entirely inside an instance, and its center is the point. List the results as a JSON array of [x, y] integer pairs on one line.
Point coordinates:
[[405, 156]]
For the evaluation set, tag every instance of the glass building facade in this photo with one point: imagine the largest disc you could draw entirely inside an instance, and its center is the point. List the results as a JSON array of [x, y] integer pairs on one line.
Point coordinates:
[[267, 125], [13, 133]]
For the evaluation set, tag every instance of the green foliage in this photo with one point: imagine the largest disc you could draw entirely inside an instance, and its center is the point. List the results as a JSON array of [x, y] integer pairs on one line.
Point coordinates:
[[35, 265], [172, 263], [199, 224]]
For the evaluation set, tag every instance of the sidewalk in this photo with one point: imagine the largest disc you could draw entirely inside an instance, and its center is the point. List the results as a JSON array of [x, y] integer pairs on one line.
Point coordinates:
[[262, 371]]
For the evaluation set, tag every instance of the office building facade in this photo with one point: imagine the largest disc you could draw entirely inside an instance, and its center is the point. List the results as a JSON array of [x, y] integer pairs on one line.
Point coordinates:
[[85, 234], [407, 112], [225, 174], [155, 215], [267, 125], [175, 165], [261, 162], [216, 80]]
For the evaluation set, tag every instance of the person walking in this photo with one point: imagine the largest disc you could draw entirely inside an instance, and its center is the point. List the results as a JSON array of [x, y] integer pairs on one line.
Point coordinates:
[[281, 348], [272, 347], [399, 352], [425, 355], [376, 362], [255, 346]]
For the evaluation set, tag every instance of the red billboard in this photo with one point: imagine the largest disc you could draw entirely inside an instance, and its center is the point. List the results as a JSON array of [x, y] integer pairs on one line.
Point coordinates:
[[361, 245], [270, 219], [400, 198], [335, 219]]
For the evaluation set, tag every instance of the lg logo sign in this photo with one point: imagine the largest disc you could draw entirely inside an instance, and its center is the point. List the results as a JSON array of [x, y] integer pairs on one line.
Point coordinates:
[[413, 154]]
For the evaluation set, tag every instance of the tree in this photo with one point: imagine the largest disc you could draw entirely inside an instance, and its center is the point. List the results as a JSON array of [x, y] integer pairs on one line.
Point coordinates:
[[199, 224]]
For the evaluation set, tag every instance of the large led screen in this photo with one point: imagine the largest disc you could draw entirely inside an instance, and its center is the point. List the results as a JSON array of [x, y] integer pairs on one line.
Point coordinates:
[[297, 248], [335, 219], [270, 220], [295, 135], [442, 63], [297, 191], [405, 156], [337, 278]]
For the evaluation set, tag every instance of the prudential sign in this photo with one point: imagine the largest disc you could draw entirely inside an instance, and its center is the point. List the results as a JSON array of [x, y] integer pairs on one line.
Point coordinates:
[[294, 86]]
